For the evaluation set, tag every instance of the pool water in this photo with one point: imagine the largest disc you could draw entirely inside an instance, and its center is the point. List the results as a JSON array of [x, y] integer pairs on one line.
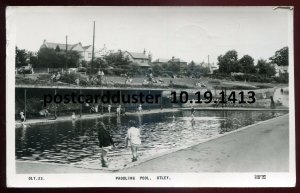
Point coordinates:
[[76, 142]]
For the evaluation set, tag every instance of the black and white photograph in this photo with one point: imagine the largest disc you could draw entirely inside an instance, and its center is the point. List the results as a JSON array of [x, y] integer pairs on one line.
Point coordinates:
[[172, 96]]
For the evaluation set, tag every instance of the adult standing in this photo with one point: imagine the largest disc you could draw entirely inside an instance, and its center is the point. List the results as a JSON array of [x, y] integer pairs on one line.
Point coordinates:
[[133, 139], [105, 142]]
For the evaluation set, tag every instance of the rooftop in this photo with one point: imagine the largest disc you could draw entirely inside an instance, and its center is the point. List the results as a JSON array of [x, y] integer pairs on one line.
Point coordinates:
[[137, 55]]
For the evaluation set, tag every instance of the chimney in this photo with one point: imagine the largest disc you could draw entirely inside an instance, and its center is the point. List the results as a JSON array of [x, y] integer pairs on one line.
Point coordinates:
[[149, 56], [173, 58], [144, 51], [45, 41]]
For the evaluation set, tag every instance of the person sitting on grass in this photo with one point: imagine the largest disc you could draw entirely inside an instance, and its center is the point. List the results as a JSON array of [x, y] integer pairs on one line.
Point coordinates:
[[133, 139]]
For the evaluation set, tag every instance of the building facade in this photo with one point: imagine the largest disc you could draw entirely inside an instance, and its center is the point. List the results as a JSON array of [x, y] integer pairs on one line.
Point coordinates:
[[84, 51], [141, 59]]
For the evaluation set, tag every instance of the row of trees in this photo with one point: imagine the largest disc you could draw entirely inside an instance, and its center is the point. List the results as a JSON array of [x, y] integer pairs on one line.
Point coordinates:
[[47, 58], [229, 62]]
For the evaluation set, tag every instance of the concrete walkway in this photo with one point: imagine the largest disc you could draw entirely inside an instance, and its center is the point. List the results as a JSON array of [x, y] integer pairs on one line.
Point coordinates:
[[259, 148]]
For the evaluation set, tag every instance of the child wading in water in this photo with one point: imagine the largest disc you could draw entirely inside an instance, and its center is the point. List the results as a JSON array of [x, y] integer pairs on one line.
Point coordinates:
[[23, 119], [133, 139], [105, 142]]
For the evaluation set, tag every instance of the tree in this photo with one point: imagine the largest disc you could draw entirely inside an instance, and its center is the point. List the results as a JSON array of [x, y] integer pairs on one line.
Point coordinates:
[[73, 59], [117, 59], [57, 49], [247, 64], [229, 62], [174, 67], [33, 60], [21, 57], [281, 57], [191, 68], [196, 70], [157, 69], [265, 69], [47, 58], [50, 58], [100, 63]]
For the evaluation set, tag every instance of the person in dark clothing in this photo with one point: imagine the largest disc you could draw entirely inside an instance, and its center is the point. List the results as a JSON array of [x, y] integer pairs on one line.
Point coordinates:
[[272, 105], [192, 110], [105, 142]]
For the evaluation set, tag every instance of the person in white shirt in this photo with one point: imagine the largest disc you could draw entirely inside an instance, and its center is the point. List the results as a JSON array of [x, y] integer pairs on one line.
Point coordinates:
[[133, 139], [73, 116], [140, 108], [109, 108], [23, 119], [119, 110]]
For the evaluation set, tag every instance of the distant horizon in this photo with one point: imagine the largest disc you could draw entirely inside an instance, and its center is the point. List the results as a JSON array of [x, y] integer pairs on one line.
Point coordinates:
[[188, 33]]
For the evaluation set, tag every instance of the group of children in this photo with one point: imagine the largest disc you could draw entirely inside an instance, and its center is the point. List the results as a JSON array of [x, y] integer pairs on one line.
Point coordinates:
[[106, 142]]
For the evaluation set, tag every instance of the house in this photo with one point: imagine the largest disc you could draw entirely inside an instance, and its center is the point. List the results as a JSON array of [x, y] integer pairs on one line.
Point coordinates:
[[174, 61], [141, 59], [160, 61], [177, 61], [84, 51], [280, 69]]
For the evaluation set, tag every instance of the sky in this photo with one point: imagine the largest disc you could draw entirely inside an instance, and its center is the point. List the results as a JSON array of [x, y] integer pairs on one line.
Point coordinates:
[[188, 33]]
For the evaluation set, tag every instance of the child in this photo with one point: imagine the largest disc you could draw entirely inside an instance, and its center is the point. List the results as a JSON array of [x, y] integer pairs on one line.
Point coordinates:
[[105, 142], [109, 108], [73, 116], [133, 139], [23, 119], [140, 108]]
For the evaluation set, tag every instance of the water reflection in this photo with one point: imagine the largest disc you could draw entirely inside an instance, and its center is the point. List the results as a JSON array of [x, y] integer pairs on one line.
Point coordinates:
[[76, 141]]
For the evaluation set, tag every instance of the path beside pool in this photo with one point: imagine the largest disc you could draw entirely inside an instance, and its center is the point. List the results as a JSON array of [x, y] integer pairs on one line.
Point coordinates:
[[259, 148], [262, 147]]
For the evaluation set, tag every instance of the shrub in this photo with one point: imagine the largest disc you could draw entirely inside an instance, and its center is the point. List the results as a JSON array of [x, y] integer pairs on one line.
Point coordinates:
[[69, 78]]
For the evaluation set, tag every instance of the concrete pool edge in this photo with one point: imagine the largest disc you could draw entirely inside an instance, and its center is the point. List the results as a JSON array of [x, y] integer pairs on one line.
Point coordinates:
[[92, 116], [153, 111], [129, 165]]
